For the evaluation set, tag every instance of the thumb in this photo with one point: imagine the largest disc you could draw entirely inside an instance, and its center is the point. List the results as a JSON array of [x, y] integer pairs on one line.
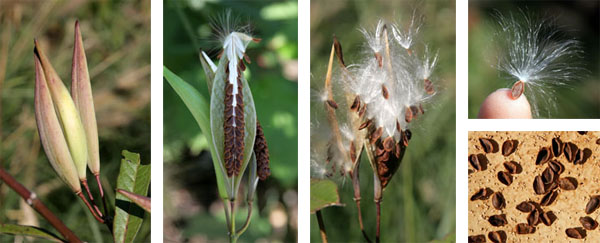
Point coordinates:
[[500, 105]]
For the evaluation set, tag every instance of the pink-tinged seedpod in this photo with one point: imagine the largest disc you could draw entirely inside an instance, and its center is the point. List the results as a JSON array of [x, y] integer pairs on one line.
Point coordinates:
[[51, 134], [66, 113], [81, 91]]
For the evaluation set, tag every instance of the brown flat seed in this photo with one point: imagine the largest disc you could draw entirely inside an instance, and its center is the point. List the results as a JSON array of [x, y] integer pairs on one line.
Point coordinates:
[[582, 132], [523, 228], [580, 157], [517, 89], [388, 144], [429, 87], [588, 223], [505, 178], [556, 166], [576, 233], [498, 201], [533, 218], [598, 141], [567, 183], [476, 239], [548, 218], [365, 124], [513, 167], [352, 152], [498, 220], [570, 151], [474, 162], [376, 135], [557, 147], [384, 92], [525, 207], [592, 204], [549, 198], [408, 114], [482, 194], [547, 176], [332, 104], [487, 145], [543, 156], [355, 104], [508, 147], [538, 185], [497, 236]]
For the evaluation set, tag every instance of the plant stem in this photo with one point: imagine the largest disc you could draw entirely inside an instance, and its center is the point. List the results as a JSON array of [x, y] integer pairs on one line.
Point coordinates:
[[232, 235], [321, 227], [247, 223], [378, 207], [356, 185], [36, 204], [89, 206]]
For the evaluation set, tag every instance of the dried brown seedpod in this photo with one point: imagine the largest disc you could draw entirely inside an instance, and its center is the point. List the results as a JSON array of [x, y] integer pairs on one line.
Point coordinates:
[[523, 228], [476, 239], [498, 220], [543, 156], [482, 194], [509, 147], [576, 233], [513, 167], [567, 183], [497, 236], [588, 223], [498, 201], [505, 178]]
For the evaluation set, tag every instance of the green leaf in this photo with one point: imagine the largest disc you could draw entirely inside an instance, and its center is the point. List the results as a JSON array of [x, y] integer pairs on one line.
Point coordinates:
[[217, 109], [25, 230], [133, 177], [323, 193], [199, 108]]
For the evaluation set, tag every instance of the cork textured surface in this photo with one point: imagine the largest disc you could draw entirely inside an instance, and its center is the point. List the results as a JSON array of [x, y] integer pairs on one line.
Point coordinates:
[[568, 206]]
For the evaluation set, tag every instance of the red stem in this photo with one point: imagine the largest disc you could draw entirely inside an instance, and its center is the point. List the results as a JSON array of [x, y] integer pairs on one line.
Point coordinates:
[[90, 207], [36, 204]]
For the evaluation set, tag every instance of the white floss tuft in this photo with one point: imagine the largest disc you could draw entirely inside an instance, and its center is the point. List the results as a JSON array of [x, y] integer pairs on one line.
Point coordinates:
[[535, 51]]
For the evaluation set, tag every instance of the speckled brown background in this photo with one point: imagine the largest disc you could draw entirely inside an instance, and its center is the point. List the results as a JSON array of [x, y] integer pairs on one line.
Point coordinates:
[[569, 205]]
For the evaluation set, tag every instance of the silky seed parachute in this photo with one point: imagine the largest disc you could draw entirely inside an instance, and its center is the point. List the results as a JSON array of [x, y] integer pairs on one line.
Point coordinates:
[[537, 56]]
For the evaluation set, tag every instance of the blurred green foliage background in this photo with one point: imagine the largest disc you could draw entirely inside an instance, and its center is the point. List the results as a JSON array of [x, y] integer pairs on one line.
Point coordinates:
[[579, 19], [193, 210], [419, 203], [116, 37]]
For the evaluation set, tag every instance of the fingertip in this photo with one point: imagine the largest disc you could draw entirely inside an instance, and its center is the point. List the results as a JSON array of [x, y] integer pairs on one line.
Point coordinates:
[[500, 105]]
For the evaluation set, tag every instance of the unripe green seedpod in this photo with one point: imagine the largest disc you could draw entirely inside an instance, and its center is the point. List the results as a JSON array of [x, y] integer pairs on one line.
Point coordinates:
[[51, 134], [81, 91], [67, 115]]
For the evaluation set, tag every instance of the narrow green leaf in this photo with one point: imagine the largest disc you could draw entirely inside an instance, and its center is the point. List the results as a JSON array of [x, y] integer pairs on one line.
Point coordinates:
[[133, 177], [199, 108], [25, 230], [217, 107], [323, 193]]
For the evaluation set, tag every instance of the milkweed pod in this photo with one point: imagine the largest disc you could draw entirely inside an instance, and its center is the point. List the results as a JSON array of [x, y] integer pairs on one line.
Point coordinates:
[[67, 114], [81, 91], [51, 133]]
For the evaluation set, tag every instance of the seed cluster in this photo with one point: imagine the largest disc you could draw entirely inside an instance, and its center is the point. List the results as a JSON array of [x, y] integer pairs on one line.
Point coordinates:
[[262, 154], [553, 180], [233, 127]]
